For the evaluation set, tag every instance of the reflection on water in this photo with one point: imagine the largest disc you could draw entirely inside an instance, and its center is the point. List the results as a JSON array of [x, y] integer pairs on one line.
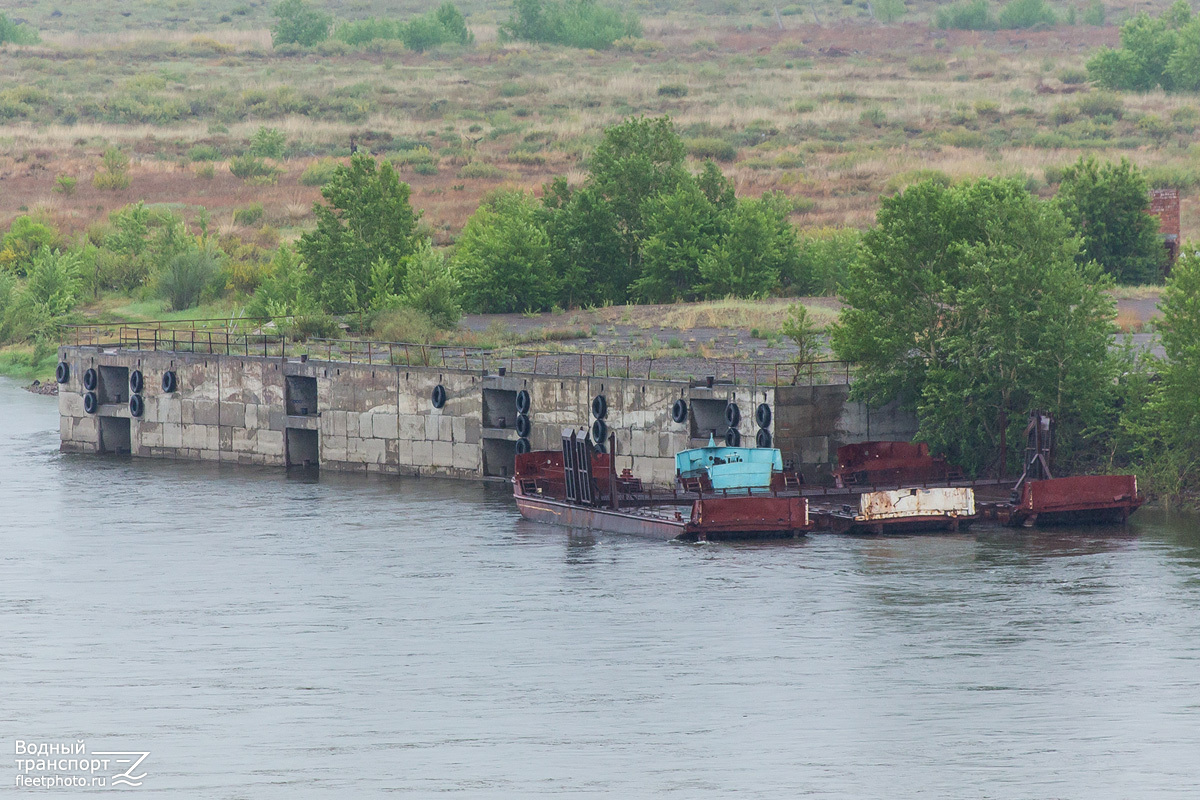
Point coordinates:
[[271, 635]]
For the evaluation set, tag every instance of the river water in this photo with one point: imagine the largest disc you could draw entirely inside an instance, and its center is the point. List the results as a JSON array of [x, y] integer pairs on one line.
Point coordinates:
[[266, 636]]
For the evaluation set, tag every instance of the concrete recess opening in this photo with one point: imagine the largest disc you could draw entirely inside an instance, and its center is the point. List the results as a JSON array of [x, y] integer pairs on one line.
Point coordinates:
[[114, 387], [498, 457], [301, 395], [499, 410], [114, 435], [303, 448], [708, 417]]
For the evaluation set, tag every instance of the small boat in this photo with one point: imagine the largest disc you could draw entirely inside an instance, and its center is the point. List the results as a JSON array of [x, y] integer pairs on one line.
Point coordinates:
[[722, 468], [906, 511], [578, 487]]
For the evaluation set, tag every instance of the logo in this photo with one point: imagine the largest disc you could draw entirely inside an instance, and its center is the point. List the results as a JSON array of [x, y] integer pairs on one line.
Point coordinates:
[[54, 765]]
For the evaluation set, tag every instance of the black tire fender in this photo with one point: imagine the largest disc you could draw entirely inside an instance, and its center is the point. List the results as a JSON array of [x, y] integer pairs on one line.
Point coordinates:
[[438, 398], [733, 414], [599, 406], [137, 406], [62, 373], [91, 379], [90, 402], [733, 438], [679, 411], [763, 438], [762, 415], [523, 402]]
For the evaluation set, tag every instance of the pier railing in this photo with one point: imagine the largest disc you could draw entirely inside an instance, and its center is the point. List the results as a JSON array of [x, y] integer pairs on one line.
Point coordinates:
[[263, 338]]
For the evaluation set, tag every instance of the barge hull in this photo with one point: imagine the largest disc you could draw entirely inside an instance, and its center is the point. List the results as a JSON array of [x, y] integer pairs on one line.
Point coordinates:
[[599, 519]]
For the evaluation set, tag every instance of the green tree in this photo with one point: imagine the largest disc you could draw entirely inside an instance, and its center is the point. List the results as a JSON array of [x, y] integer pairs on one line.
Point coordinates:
[[268, 143], [368, 217], [888, 11], [1026, 14], [585, 245], [1183, 66], [824, 261], [637, 159], [188, 276], [284, 291], [1176, 403], [297, 22], [970, 308], [502, 259], [430, 286], [16, 33], [1107, 204], [26, 236], [1147, 45], [682, 227], [454, 23], [759, 245]]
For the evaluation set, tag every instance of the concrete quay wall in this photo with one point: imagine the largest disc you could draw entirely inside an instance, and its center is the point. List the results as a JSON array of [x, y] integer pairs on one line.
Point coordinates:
[[381, 418]]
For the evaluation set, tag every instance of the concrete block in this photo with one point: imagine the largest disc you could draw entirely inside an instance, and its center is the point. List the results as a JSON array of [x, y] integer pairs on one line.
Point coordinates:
[[404, 451], [270, 443], [445, 428], [431, 428], [334, 448], [466, 456], [412, 427], [337, 422], [458, 429], [225, 438], [172, 433], [443, 454], [474, 432], [383, 426], [422, 455], [276, 419], [170, 409], [206, 412], [352, 427], [233, 413], [371, 451]]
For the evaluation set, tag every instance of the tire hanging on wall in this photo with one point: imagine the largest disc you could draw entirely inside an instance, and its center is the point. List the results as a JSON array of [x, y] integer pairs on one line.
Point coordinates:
[[90, 379], [169, 382], [733, 414], [524, 426], [522, 445], [439, 396], [679, 411], [599, 407], [136, 382], [600, 432], [762, 415], [137, 406], [523, 402], [62, 373], [90, 402], [733, 438], [763, 438]]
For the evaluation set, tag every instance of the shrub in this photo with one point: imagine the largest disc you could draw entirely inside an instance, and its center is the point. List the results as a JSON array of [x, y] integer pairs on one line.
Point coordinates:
[[297, 22], [268, 143], [319, 173], [477, 169], [712, 147], [250, 215], [425, 168], [16, 33], [966, 15], [206, 171], [575, 23], [366, 30], [826, 255], [65, 184], [673, 90], [1026, 14], [204, 152], [404, 324], [887, 11], [1093, 14], [446, 25], [187, 277], [114, 175], [249, 166], [430, 287]]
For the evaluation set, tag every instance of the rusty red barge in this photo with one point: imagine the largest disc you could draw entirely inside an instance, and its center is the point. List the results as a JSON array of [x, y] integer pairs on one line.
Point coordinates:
[[578, 487]]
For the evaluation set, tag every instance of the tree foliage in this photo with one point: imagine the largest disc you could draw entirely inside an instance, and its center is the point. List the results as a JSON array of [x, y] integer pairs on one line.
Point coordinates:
[[1108, 205], [298, 22], [1154, 52], [502, 259], [575, 23], [367, 218], [970, 307]]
